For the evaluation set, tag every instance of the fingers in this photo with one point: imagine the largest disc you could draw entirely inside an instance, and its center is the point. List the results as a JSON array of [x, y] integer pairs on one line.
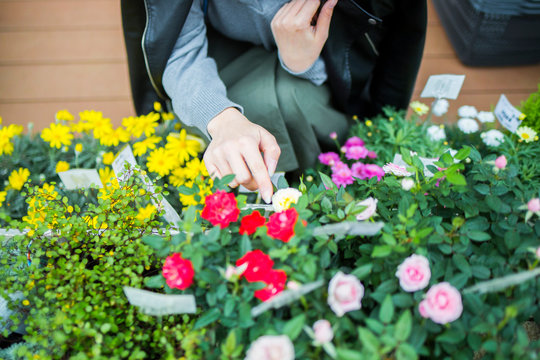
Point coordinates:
[[306, 13], [271, 150], [323, 21], [218, 166], [259, 171]]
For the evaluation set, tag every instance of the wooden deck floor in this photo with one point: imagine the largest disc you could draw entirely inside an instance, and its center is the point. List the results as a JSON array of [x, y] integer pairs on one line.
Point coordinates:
[[69, 54]]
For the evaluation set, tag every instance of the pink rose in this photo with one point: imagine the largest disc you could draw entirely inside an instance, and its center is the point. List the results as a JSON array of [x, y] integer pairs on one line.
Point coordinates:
[[372, 154], [501, 162], [443, 303], [414, 273], [534, 205], [345, 293], [333, 135], [367, 171], [422, 309], [371, 206], [354, 141], [341, 174], [356, 152], [329, 158], [323, 331], [271, 347]]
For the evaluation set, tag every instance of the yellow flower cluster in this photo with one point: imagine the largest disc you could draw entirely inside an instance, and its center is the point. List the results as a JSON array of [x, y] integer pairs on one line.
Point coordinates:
[[6, 134], [17, 178]]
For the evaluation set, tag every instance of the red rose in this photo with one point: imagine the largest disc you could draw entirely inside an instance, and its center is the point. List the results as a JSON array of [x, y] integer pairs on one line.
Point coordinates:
[[275, 283], [251, 222], [220, 209], [258, 265], [178, 272], [281, 225]]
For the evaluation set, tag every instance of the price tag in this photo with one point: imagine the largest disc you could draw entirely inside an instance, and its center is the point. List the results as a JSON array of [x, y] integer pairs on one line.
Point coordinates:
[[80, 178], [155, 304], [507, 115], [443, 86]]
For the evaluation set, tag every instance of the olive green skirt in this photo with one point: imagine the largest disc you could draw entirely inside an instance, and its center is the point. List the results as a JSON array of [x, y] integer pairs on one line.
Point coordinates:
[[297, 112]]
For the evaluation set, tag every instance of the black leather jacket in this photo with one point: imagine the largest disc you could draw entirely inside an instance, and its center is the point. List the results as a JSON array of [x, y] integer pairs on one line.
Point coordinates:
[[372, 54]]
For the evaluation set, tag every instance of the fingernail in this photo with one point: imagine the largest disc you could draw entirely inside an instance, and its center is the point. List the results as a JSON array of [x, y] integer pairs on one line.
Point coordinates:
[[332, 3], [267, 196], [272, 164]]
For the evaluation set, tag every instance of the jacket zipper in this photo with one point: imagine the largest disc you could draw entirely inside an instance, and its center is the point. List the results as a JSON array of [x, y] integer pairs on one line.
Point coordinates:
[[160, 94], [371, 43]]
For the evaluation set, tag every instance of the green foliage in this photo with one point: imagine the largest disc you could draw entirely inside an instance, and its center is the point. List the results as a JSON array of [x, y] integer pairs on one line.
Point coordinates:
[[531, 109]]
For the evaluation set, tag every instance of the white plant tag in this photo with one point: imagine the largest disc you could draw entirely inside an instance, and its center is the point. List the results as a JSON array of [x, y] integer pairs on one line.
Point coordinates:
[[156, 304], [285, 297], [80, 178], [445, 86], [398, 160], [124, 156], [507, 114]]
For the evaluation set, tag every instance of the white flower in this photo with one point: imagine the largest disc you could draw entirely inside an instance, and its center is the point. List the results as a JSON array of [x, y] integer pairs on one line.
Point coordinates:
[[396, 170], [467, 125], [436, 133], [485, 117], [440, 107], [467, 111], [369, 211], [271, 347], [526, 134], [407, 184], [323, 331], [345, 293], [284, 198], [492, 137]]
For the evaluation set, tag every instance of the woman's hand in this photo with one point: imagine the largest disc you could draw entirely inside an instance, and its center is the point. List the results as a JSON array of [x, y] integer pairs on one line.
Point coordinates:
[[299, 43], [236, 148]]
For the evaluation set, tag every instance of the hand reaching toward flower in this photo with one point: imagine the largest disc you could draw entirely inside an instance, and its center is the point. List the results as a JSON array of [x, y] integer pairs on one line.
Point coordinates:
[[300, 43], [236, 148]]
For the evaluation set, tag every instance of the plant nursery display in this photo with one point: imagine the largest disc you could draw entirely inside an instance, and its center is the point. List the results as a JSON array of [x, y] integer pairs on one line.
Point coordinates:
[[411, 240]]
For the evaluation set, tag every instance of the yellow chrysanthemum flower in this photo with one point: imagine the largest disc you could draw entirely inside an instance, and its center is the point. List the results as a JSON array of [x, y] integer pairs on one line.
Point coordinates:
[[108, 177], [141, 147], [178, 176], [108, 158], [194, 167], [14, 130], [17, 178], [157, 106], [526, 133], [57, 135], [369, 123], [6, 146], [146, 213], [113, 137], [62, 166], [79, 148], [2, 197], [181, 148], [419, 108], [160, 162], [144, 124], [64, 115]]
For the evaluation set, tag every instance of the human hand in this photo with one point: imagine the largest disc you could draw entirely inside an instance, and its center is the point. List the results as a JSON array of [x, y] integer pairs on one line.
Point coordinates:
[[236, 148], [299, 43]]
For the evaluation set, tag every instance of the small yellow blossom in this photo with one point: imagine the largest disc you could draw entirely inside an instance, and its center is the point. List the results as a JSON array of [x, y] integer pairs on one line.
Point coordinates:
[[522, 116], [108, 158], [146, 212], [0, 120], [160, 162], [57, 135], [157, 106], [369, 123], [526, 133], [79, 148], [419, 108], [168, 116], [62, 166], [2, 197], [17, 178], [445, 142], [369, 133], [144, 124], [355, 117], [64, 115], [6, 146], [391, 118], [141, 147], [177, 126], [25, 302]]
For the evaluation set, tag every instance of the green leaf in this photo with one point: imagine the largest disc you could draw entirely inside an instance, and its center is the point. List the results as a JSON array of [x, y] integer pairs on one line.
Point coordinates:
[[207, 318], [451, 336], [403, 326], [496, 204], [387, 310], [245, 245], [478, 235], [369, 340], [456, 178], [187, 190], [229, 344], [482, 189], [293, 327], [406, 352], [282, 183], [362, 271], [154, 241], [463, 153], [327, 181], [462, 264], [348, 354], [244, 315], [154, 282], [381, 251]]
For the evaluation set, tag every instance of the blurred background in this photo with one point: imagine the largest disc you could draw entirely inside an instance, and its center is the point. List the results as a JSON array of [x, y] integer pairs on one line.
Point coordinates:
[[70, 54]]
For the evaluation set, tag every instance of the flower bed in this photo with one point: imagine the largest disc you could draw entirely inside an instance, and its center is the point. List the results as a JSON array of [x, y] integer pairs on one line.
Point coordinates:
[[452, 273]]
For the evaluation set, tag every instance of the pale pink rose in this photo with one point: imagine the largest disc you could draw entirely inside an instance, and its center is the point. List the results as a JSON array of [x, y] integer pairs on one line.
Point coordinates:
[[333, 135], [271, 347], [414, 273], [443, 303], [422, 309], [538, 252], [230, 272], [293, 285], [323, 331], [369, 211], [345, 293], [501, 162], [534, 205]]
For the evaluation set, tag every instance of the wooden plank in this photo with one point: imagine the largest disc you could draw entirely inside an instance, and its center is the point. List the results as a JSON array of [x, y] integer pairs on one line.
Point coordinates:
[[63, 82], [35, 47], [18, 15], [42, 114], [437, 44], [433, 18]]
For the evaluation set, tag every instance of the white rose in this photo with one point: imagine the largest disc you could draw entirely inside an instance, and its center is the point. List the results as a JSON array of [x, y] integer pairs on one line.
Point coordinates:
[[284, 198], [271, 347], [440, 107], [467, 111], [407, 184], [371, 206], [485, 117], [436, 133], [492, 137], [345, 293], [323, 331], [467, 125]]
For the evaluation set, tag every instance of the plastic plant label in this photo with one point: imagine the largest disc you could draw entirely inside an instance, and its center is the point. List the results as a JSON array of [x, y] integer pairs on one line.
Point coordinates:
[[507, 114], [445, 86], [118, 165], [80, 178], [155, 304]]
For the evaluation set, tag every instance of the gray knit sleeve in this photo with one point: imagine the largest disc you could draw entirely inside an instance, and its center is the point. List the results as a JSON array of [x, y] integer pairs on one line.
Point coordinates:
[[191, 77], [316, 73]]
